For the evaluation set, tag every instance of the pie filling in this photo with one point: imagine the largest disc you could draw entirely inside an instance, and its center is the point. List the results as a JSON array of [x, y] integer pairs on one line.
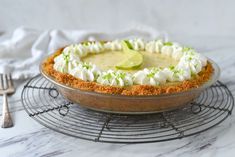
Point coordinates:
[[109, 59], [130, 62]]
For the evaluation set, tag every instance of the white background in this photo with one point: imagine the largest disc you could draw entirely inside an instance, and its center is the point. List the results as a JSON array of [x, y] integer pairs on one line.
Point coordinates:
[[178, 17]]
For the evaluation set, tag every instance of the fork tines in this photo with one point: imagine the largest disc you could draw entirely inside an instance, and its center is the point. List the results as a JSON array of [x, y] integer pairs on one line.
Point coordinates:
[[10, 82], [5, 81]]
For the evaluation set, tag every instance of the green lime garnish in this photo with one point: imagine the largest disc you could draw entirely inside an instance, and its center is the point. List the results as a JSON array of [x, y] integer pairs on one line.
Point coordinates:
[[128, 44], [168, 44], [185, 49], [134, 58]]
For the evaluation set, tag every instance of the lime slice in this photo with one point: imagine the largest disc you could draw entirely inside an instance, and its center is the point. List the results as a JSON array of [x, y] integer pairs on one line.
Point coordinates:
[[134, 58]]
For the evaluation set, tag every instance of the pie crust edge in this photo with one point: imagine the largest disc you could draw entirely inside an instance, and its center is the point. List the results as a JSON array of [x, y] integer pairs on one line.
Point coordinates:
[[69, 80]]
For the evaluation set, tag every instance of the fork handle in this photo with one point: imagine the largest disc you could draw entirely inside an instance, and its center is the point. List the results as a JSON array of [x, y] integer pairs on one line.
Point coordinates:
[[6, 116]]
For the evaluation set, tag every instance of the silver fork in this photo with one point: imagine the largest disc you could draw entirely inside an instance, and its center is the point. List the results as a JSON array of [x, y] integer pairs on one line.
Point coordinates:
[[6, 87]]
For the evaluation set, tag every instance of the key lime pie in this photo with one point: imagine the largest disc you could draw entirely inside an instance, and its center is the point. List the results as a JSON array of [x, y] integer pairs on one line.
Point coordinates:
[[127, 68]]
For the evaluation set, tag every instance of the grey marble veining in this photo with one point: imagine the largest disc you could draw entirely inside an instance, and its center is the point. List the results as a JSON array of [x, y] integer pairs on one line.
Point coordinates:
[[30, 139]]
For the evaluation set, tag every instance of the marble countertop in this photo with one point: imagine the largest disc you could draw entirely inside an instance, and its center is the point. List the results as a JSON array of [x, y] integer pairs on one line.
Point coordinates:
[[30, 139]]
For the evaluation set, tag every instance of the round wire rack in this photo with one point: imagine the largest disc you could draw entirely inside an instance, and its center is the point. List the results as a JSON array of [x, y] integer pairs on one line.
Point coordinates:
[[43, 103]]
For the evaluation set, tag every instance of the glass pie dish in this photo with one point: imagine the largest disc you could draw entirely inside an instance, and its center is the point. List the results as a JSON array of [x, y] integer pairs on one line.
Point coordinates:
[[123, 104]]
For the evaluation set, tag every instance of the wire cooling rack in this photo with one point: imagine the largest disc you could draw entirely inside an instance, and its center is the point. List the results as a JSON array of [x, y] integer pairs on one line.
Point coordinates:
[[43, 103]]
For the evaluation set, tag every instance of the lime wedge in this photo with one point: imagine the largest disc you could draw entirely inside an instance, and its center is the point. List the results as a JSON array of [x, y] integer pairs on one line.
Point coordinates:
[[134, 58]]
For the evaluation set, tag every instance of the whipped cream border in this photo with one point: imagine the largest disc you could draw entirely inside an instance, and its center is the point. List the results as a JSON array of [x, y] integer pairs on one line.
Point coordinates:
[[190, 63]]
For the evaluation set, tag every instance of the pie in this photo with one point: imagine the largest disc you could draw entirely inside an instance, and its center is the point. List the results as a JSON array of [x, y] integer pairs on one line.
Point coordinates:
[[129, 67]]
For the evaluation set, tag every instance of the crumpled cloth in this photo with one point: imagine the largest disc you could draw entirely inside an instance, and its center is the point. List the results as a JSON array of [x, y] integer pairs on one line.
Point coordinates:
[[22, 50]]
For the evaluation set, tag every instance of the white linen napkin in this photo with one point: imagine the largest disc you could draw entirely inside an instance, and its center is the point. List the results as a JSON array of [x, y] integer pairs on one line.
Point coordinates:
[[21, 52]]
